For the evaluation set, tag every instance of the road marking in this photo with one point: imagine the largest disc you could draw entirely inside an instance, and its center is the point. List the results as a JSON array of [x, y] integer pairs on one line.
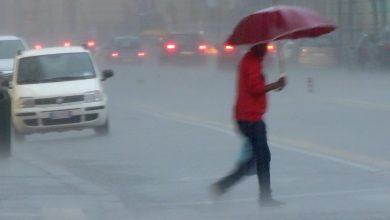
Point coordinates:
[[326, 157], [376, 164], [186, 119], [324, 152]]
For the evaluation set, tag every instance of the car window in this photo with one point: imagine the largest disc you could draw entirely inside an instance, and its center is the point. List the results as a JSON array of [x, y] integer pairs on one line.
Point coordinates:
[[55, 68], [10, 48]]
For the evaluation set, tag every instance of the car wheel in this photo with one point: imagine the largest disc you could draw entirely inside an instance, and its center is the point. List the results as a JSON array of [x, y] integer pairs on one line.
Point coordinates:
[[17, 136], [103, 130]]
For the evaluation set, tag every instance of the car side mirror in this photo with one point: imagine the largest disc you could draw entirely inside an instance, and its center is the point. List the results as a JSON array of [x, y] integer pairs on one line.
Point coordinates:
[[107, 74]]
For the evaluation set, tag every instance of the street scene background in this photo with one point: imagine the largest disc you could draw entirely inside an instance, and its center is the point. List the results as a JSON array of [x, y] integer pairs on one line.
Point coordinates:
[[172, 133], [57, 20]]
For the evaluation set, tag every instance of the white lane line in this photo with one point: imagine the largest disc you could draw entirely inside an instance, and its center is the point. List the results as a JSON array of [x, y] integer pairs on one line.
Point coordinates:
[[229, 131], [326, 157], [193, 122]]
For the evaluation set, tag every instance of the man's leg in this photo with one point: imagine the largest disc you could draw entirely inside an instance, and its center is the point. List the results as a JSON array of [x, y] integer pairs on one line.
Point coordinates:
[[240, 171], [263, 158]]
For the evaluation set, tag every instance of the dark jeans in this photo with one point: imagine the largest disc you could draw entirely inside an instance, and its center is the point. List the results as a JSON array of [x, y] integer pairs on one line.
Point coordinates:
[[256, 133]]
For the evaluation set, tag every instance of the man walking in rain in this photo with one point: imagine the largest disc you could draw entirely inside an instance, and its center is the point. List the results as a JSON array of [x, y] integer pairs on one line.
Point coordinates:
[[250, 106]]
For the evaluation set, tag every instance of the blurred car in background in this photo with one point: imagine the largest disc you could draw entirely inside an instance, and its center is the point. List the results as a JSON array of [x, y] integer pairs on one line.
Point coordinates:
[[180, 47], [320, 51], [125, 49], [38, 45], [229, 56], [9, 48], [366, 51], [89, 44]]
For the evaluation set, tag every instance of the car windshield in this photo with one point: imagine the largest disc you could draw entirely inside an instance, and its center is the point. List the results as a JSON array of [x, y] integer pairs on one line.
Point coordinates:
[[9, 48], [55, 68]]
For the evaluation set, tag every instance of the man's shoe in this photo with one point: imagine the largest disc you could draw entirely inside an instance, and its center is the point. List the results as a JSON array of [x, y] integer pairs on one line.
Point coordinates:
[[270, 202]]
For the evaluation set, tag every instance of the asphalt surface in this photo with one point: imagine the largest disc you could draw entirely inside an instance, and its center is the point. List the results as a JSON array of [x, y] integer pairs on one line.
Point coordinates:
[[172, 136]]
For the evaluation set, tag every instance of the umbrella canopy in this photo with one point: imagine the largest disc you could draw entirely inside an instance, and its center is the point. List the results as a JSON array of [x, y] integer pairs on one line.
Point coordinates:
[[279, 23]]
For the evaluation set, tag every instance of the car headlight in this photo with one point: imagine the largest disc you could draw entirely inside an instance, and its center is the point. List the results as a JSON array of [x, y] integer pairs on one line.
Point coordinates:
[[26, 102], [94, 96]]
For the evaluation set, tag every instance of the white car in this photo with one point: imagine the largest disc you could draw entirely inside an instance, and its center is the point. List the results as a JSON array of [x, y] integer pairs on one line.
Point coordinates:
[[58, 89], [9, 48]]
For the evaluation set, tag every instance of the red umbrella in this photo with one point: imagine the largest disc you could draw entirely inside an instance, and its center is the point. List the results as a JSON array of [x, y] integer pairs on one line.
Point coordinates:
[[278, 23]]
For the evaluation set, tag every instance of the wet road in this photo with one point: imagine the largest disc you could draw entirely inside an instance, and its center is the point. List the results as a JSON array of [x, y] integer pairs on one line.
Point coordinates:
[[172, 136]]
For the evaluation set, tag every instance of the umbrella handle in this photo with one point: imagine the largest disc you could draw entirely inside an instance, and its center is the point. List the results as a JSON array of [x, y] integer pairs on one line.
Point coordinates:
[[281, 60]]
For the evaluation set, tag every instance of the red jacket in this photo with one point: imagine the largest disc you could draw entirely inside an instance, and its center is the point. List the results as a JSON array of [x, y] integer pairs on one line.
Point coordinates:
[[251, 100]]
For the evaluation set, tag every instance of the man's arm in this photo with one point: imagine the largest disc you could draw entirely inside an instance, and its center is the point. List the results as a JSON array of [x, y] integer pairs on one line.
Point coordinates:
[[277, 85]]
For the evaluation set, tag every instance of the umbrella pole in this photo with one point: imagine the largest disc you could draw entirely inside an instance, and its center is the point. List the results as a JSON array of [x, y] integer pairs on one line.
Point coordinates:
[[281, 60]]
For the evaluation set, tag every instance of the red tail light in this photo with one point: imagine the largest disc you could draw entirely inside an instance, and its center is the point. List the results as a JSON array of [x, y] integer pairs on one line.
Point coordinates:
[[141, 54], [38, 46], [91, 44], [229, 48], [170, 46], [202, 47], [67, 44], [271, 48], [115, 54]]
